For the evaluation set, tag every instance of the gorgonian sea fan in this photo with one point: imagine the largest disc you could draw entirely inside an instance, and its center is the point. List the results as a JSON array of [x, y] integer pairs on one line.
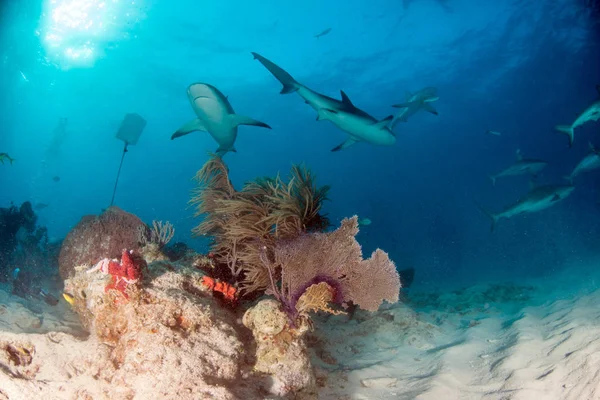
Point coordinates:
[[335, 258]]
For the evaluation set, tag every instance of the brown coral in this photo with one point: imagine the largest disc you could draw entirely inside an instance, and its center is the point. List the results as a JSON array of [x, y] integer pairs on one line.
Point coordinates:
[[242, 222], [97, 237], [317, 298]]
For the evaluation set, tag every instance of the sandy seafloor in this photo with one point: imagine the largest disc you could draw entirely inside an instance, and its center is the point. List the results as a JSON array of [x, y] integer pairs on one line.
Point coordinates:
[[538, 339]]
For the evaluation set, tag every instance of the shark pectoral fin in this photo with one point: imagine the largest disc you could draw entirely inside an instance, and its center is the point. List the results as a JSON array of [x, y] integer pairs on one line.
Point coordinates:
[[189, 127], [429, 108], [384, 122], [237, 120], [402, 105], [555, 198], [323, 113], [346, 100], [349, 142]]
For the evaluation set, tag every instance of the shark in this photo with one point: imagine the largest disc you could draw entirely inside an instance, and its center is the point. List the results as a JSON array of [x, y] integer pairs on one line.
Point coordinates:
[[589, 162], [216, 116], [520, 167], [591, 113], [414, 102], [538, 198], [360, 126]]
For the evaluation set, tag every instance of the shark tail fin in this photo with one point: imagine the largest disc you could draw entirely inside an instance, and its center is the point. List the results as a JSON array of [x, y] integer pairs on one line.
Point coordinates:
[[491, 215], [289, 83], [493, 179], [567, 130]]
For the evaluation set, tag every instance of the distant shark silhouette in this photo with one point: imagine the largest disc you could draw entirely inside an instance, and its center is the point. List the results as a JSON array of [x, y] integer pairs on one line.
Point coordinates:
[[591, 113], [215, 116], [538, 198], [521, 166], [419, 100], [358, 124]]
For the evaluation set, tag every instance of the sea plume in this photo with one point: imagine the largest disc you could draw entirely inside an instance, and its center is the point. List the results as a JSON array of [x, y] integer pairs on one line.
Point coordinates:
[[242, 223]]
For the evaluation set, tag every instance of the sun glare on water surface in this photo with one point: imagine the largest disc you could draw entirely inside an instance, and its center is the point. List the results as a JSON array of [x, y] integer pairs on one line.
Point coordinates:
[[75, 32]]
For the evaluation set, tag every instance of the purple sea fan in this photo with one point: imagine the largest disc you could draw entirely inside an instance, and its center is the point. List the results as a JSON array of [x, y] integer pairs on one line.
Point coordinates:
[[335, 258]]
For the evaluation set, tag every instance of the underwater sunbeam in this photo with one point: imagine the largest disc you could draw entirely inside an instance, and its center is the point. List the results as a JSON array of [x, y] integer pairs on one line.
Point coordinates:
[[74, 32]]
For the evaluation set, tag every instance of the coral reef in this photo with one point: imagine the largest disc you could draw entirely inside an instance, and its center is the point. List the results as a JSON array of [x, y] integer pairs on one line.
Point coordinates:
[[169, 340], [154, 239], [281, 351], [98, 237], [241, 223], [124, 274], [12, 221]]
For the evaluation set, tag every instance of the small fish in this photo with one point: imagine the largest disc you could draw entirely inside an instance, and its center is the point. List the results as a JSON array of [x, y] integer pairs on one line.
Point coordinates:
[[56, 179], [69, 298], [364, 222], [48, 298], [15, 273], [5, 156], [41, 206], [495, 133], [325, 32]]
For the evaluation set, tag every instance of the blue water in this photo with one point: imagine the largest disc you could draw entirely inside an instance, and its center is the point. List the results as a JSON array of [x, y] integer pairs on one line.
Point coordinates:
[[518, 67]]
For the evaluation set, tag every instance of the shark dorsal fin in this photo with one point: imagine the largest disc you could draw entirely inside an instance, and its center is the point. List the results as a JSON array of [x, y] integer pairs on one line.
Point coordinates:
[[346, 100], [384, 122], [519, 155]]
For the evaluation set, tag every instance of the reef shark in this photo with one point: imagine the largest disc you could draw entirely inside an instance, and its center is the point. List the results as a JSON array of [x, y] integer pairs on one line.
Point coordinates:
[[520, 167], [361, 126], [588, 163], [216, 116], [538, 198], [414, 102], [591, 113]]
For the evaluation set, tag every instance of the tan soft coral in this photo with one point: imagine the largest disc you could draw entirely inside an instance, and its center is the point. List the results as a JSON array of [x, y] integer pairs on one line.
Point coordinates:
[[242, 222]]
